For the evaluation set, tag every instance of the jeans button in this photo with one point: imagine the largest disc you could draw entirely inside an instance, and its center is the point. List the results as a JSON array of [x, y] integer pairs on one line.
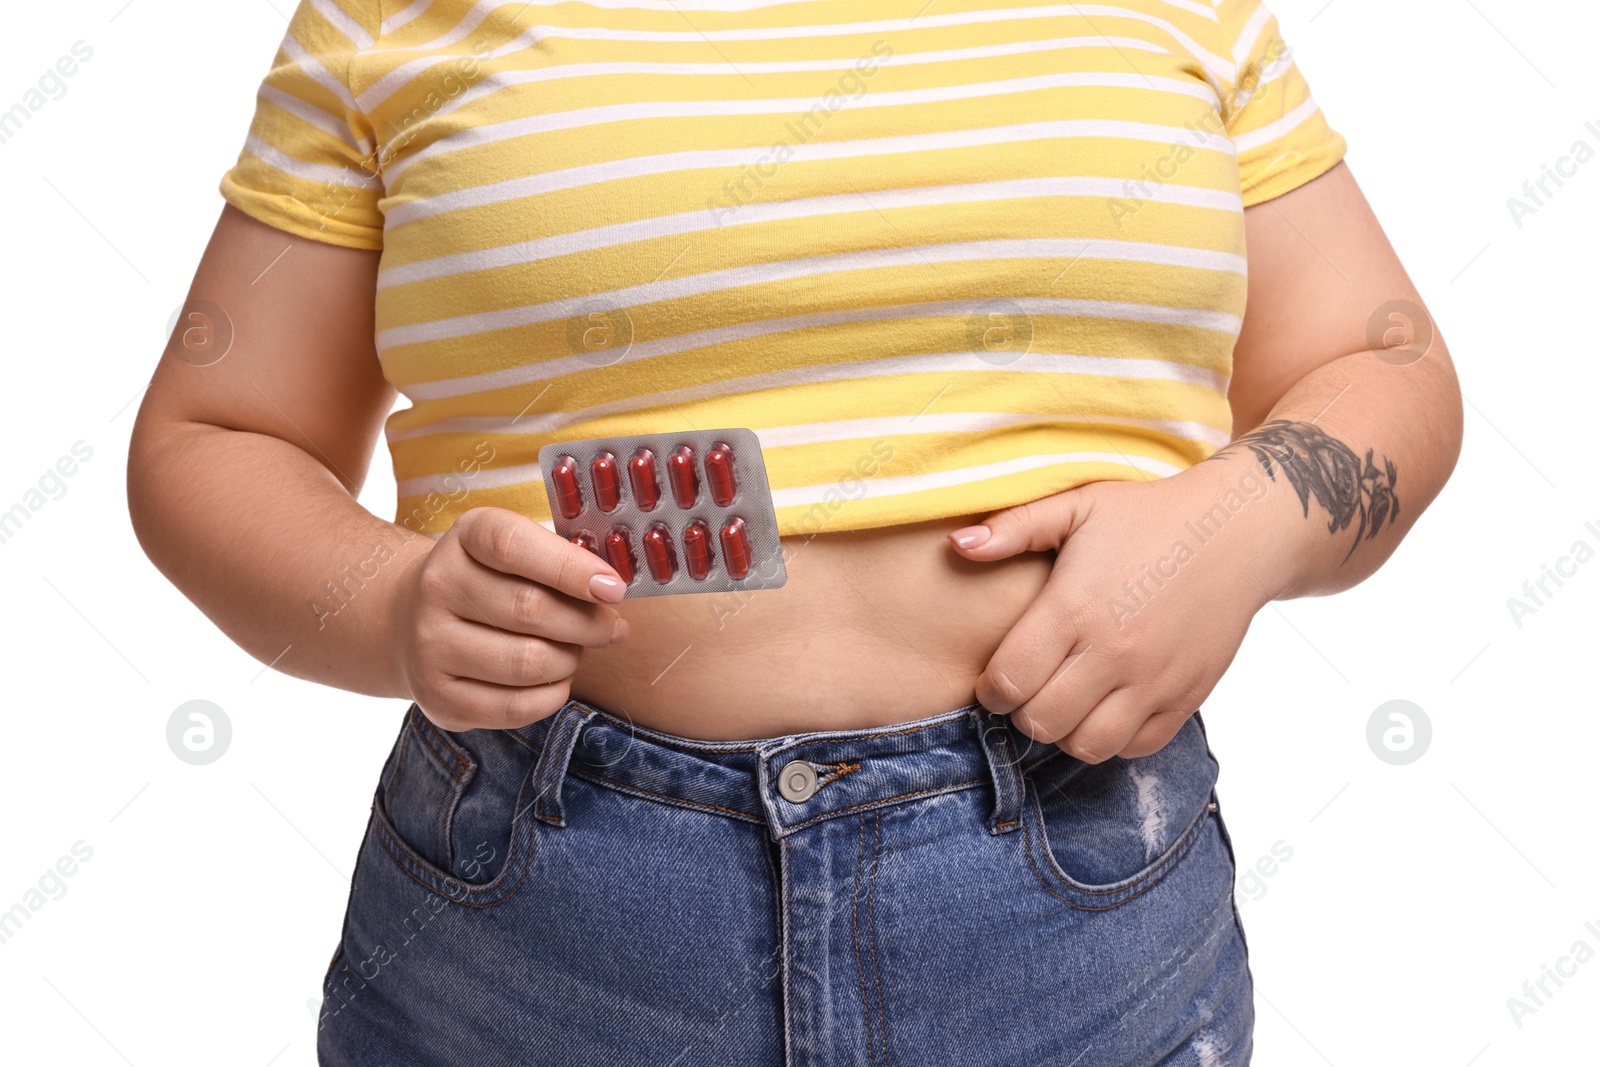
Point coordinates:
[[797, 781]]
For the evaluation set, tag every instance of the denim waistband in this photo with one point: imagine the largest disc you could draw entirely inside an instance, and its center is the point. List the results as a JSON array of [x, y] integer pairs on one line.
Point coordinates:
[[854, 770]]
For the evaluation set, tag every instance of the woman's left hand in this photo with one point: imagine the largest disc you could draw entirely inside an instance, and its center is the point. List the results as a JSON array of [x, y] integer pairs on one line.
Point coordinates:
[[1153, 588]]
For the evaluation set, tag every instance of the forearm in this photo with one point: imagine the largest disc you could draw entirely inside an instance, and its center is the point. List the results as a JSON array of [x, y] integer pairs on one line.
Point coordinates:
[[1353, 453], [274, 550]]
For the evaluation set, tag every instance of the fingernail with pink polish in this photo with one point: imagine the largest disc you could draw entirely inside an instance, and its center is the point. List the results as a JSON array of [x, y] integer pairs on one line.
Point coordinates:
[[619, 631], [970, 536], [606, 588]]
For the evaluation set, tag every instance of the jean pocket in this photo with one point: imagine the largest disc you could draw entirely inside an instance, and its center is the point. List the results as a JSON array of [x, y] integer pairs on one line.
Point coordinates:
[[450, 809], [1102, 834]]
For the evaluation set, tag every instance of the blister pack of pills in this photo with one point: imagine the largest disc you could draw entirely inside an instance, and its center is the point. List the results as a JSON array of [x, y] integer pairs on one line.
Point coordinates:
[[672, 513]]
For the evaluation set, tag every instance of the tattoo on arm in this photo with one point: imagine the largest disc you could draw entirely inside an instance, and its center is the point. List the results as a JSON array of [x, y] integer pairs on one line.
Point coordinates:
[[1349, 489]]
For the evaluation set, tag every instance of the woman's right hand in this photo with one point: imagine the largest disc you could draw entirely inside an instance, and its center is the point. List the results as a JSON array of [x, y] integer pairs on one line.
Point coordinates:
[[491, 622]]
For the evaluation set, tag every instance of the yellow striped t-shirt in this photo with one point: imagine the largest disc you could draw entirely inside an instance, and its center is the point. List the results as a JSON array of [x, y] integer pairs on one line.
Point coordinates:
[[941, 258]]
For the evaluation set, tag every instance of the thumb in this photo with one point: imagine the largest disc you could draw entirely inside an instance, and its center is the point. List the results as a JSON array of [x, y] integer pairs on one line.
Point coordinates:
[[1037, 526]]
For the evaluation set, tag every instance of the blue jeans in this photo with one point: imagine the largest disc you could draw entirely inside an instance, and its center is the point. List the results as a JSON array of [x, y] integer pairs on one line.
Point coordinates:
[[940, 892]]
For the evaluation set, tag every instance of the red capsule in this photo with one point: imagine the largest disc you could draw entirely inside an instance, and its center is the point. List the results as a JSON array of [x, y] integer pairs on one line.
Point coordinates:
[[680, 471], [719, 475], [736, 548], [620, 555], [603, 474], [658, 553], [642, 476], [697, 550], [584, 539], [569, 498]]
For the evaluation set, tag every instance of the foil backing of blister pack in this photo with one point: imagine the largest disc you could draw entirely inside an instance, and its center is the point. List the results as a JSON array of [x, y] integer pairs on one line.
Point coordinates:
[[579, 492]]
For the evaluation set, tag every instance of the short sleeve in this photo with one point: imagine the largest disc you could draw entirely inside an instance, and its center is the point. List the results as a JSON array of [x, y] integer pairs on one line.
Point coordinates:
[[1281, 136], [310, 163]]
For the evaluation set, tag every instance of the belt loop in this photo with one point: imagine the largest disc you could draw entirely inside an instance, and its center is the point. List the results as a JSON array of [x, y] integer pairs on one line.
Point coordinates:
[[555, 754], [995, 737]]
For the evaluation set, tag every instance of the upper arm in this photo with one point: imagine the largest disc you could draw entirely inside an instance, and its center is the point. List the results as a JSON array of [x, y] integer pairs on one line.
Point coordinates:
[[1320, 267], [282, 346], [276, 336], [1323, 276]]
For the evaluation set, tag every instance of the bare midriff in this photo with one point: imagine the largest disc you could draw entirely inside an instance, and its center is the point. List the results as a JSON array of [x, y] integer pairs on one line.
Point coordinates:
[[874, 627]]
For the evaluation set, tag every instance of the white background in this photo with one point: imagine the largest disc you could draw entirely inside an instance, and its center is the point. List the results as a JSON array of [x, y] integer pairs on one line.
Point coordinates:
[[1417, 898]]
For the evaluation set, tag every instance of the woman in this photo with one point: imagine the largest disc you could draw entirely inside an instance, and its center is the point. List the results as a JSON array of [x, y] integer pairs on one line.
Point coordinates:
[[977, 275]]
